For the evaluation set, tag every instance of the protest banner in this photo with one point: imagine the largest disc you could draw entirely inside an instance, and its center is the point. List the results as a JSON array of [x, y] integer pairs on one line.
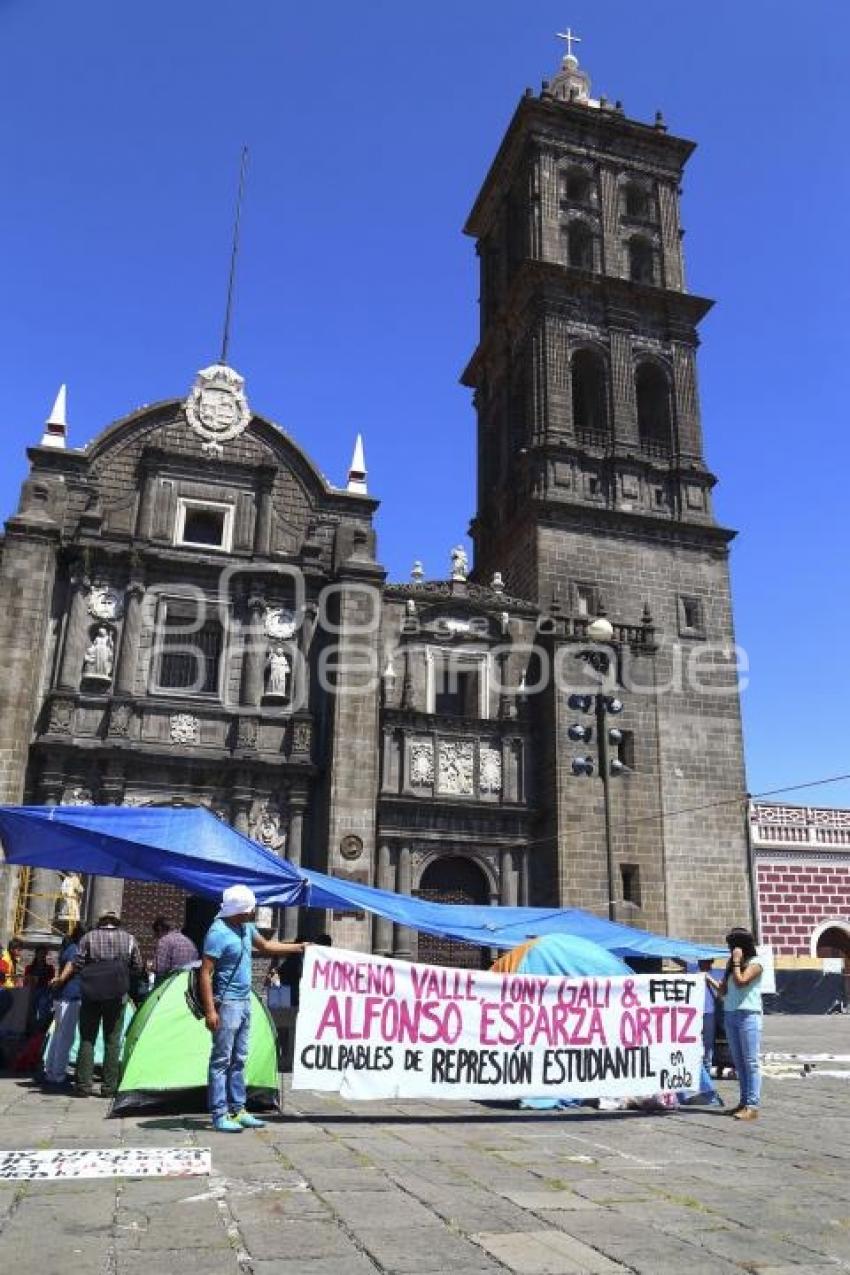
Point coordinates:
[[371, 1027]]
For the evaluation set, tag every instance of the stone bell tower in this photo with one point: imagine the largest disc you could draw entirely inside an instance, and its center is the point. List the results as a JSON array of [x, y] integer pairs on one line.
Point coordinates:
[[592, 480]]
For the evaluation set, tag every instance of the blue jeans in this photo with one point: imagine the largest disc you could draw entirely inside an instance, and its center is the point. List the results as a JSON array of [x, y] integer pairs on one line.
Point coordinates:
[[743, 1032], [229, 1053]]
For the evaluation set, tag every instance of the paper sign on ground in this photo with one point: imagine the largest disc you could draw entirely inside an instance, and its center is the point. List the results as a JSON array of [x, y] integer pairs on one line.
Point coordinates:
[[128, 1162]]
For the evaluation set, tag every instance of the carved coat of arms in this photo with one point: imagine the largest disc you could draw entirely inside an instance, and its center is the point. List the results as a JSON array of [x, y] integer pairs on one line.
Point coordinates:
[[105, 603], [280, 623], [217, 408]]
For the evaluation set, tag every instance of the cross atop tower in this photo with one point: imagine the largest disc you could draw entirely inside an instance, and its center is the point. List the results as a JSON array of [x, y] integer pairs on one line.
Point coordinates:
[[570, 40]]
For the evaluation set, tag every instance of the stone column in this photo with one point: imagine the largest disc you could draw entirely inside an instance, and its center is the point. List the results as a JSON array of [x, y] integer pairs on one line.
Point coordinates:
[[559, 388], [263, 525], [76, 634], [253, 653], [623, 388], [294, 851], [404, 884], [106, 894], [689, 431], [522, 854], [43, 891], [610, 191], [382, 929], [128, 658], [151, 460], [668, 202], [508, 884]]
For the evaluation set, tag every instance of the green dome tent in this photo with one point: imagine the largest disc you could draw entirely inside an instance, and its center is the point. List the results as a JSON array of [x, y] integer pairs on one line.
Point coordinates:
[[167, 1051]]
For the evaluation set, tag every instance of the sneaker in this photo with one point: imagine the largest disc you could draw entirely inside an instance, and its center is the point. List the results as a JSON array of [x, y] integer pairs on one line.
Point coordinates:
[[224, 1124], [247, 1121], [747, 1113]]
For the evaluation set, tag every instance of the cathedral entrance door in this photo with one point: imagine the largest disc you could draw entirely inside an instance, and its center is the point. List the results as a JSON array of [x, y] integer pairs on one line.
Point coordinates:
[[453, 879]]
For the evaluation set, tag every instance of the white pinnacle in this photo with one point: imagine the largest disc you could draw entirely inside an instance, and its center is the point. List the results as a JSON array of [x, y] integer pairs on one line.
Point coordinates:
[[357, 470], [55, 433]]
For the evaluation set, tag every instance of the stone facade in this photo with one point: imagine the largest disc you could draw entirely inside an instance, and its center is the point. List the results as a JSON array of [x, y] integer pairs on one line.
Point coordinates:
[[191, 613]]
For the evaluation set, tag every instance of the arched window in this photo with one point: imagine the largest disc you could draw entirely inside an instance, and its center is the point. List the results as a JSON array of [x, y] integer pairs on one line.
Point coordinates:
[[637, 201], [577, 186], [580, 245], [652, 390], [590, 392], [641, 260]]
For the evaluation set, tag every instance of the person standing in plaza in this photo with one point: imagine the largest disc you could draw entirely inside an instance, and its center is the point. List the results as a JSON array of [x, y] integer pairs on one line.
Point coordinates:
[[38, 976], [174, 951], [8, 974], [66, 1011], [225, 992], [742, 1015], [107, 960]]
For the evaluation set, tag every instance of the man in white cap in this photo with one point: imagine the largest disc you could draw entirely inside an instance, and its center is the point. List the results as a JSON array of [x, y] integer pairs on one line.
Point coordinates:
[[225, 988]]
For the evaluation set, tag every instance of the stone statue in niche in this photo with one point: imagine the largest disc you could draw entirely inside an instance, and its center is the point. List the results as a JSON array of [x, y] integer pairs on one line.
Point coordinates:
[[279, 669], [100, 657], [70, 897]]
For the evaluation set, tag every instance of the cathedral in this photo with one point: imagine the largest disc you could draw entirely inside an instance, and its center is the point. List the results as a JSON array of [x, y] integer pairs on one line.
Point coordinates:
[[191, 613]]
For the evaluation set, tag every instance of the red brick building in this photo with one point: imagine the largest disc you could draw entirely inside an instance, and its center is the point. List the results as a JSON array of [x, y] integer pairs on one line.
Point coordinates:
[[802, 864]]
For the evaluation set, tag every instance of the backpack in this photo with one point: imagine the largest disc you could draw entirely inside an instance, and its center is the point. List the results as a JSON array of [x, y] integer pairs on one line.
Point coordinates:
[[105, 980], [193, 992]]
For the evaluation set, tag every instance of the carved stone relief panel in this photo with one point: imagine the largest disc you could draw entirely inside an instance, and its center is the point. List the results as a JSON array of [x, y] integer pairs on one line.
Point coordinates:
[[184, 728], [456, 767], [120, 719], [490, 768], [266, 825], [60, 717], [421, 763]]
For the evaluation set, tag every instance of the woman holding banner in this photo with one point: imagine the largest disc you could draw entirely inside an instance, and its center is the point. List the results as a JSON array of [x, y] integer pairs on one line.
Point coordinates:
[[742, 1014]]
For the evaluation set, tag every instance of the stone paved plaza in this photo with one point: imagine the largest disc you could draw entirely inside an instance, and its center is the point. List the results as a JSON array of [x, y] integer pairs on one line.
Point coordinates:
[[337, 1189]]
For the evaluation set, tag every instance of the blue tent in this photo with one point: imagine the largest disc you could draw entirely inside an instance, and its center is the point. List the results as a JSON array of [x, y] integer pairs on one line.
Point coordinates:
[[189, 847]]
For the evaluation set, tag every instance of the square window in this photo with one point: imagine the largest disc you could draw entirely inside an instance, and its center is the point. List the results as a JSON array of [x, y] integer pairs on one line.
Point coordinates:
[[204, 525], [188, 652], [630, 879], [458, 685], [584, 599], [625, 750], [456, 692], [691, 617]]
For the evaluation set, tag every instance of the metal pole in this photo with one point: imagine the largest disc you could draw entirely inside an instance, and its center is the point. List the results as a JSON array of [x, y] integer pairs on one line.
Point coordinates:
[[604, 775], [751, 871]]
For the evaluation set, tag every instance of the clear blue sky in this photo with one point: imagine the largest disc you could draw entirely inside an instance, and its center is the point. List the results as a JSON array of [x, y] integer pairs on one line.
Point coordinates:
[[370, 128]]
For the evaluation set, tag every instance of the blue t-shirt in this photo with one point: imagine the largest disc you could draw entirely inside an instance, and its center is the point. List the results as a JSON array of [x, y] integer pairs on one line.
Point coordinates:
[[70, 991], [230, 948]]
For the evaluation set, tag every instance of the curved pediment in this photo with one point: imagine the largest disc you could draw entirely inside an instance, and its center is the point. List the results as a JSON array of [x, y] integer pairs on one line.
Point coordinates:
[[164, 427]]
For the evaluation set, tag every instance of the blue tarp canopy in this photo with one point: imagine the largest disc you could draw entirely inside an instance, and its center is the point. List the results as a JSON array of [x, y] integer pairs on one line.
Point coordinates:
[[190, 848]]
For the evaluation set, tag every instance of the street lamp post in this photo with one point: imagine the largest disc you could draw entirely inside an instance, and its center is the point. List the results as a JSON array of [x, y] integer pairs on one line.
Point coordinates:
[[602, 706]]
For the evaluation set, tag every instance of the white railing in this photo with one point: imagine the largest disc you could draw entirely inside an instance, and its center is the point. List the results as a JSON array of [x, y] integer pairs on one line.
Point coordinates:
[[817, 826]]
